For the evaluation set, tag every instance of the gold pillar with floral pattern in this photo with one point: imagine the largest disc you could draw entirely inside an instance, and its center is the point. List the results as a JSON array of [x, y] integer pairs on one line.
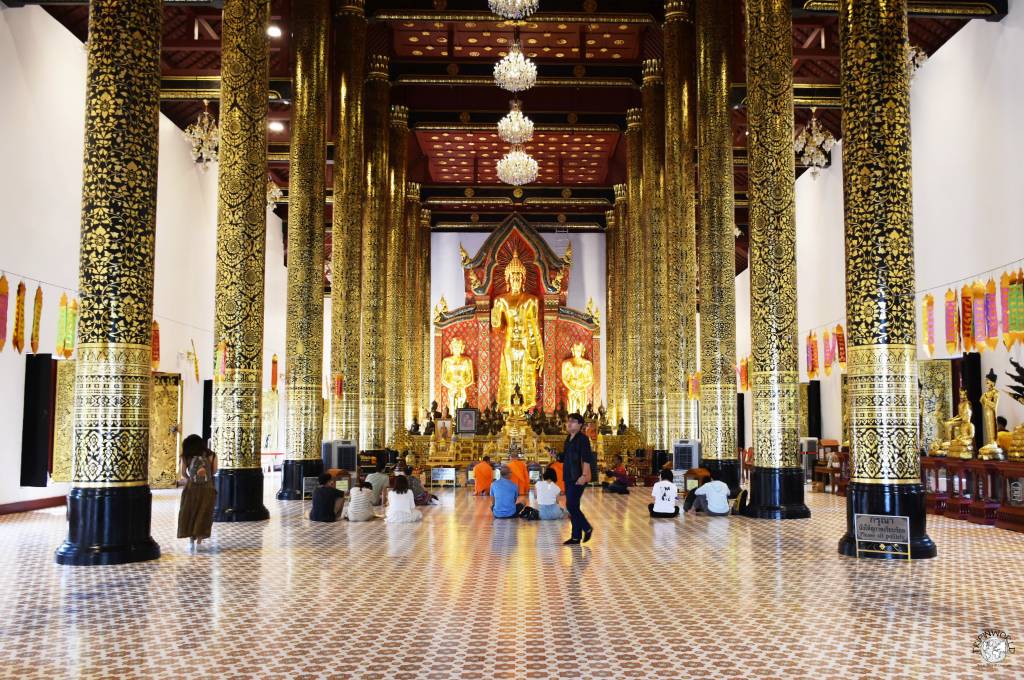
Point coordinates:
[[306, 197], [680, 218], [716, 243], [426, 315], [635, 266], [885, 477], [612, 316], [347, 218], [396, 342], [619, 326], [110, 500], [413, 305], [372, 353], [777, 481]]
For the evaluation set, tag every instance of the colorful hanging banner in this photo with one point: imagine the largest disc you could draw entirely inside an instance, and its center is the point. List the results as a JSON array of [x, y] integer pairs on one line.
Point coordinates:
[[1004, 308], [1017, 306], [841, 346], [273, 373], [18, 342], [952, 322], [37, 317], [980, 322], [195, 360], [991, 315], [3, 311], [338, 385], [71, 332], [828, 352], [62, 322], [928, 324], [744, 374], [812, 355], [154, 346], [967, 317]]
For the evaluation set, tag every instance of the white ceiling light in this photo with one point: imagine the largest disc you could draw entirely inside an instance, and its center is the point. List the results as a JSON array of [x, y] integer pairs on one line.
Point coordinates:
[[515, 72], [513, 9], [274, 31], [276, 126], [515, 128], [517, 167]]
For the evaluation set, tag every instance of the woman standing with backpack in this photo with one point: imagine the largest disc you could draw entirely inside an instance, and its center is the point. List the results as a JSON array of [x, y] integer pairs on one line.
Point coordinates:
[[195, 516]]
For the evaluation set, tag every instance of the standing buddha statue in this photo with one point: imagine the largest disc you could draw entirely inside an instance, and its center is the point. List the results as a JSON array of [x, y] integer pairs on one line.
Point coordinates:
[[989, 405], [577, 376], [522, 356], [457, 373]]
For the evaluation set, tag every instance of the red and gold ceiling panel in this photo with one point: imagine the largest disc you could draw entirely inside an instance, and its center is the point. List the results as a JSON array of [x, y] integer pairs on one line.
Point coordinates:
[[565, 158], [491, 39]]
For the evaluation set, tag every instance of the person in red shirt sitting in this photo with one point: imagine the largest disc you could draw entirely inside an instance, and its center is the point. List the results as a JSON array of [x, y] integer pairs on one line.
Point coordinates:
[[617, 478]]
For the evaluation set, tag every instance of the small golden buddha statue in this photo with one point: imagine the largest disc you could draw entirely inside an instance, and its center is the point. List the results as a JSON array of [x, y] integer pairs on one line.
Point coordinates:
[[961, 444], [989, 405], [457, 373], [577, 376], [1016, 449], [522, 356]]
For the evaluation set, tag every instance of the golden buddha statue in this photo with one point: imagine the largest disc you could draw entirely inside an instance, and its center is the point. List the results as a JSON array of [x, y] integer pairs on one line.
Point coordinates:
[[522, 357], [989, 405], [457, 373], [959, 431], [577, 376]]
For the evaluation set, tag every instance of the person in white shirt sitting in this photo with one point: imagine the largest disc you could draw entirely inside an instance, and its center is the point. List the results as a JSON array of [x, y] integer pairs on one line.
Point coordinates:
[[547, 496], [711, 497], [360, 504], [664, 493], [401, 504]]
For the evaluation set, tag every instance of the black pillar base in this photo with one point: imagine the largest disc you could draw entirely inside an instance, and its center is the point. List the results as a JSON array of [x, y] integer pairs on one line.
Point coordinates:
[[291, 477], [777, 493], [108, 525], [239, 496], [727, 471], [905, 500]]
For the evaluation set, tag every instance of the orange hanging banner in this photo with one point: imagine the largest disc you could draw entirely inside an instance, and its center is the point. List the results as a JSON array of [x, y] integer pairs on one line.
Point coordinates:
[[841, 346], [3, 311], [812, 355], [195, 359], [827, 351], [37, 317], [273, 373], [952, 322], [18, 342], [928, 324], [154, 345], [967, 317]]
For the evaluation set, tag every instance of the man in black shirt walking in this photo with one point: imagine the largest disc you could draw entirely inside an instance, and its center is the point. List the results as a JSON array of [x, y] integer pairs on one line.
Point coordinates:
[[577, 466]]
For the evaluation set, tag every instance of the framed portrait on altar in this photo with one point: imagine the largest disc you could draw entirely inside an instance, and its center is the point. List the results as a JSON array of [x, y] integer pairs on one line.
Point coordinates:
[[466, 420]]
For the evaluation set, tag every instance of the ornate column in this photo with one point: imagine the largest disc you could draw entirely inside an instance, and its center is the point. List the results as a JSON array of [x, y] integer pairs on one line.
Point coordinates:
[[716, 245], [619, 326], [680, 218], [372, 355], [656, 281], [304, 343], [777, 481], [395, 340], [110, 502], [241, 252], [426, 313], [611, 308], [885, 474], [411, 310], [635, 266], [347, 219]]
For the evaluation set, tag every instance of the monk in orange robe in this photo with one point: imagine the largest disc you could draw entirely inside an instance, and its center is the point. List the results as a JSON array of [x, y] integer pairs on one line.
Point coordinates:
[[483, 477], [556, 465], [520, 475]]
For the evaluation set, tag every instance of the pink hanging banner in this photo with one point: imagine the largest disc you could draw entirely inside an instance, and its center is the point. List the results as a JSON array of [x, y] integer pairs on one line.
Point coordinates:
[[991, 315], [978, 316]]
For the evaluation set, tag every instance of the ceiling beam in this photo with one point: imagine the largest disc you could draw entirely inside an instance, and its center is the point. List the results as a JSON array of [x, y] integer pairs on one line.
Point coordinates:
[[993, 10]]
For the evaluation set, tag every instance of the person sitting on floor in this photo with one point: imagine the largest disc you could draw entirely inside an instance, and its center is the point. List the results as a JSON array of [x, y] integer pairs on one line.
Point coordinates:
[[520, 474], [379, 481], [420, 495], [664, 493], [327, 500], [711, 497], [617, 477], [360, 504], [483, 477], [401, 504], [504, 494], [556, 465], [547, 496]]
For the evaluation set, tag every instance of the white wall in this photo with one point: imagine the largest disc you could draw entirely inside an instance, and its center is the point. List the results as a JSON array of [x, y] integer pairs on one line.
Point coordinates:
[[968, 222], [743, 343], [42, 72], [587, 277]]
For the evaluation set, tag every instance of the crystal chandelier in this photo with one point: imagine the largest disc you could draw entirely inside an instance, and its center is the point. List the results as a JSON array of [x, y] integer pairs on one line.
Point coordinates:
[[916, 58], [515, 128], [513, 9], [274, 193], [813, 144], [517, 167], [515, 72], [204, 136]]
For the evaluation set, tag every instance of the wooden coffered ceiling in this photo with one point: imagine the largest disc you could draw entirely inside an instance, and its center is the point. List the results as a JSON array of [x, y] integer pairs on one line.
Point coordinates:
[[589, 55]]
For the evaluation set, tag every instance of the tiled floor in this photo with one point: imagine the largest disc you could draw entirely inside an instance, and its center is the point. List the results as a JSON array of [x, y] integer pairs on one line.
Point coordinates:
[[461, 597]]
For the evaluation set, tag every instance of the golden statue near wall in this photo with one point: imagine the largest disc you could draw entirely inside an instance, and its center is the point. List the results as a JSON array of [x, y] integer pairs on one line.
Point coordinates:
[[989, 406], [577, 376], [958, 431], [522, 357], [457, 374]]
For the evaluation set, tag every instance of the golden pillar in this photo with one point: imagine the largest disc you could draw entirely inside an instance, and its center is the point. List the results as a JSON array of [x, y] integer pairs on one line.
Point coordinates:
[[241, 251], [304, 344], [680, 218], [777, 481], [619, 326], [426, 314], [716, 244], [656, 280], [413, 302], [395, 340], [635, 266], [347, 219], [110, 501], [882, 376], [611, 311], [372, 357]]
